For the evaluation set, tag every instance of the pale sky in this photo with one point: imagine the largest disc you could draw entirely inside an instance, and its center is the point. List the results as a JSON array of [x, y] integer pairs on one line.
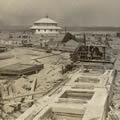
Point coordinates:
[[66, 12]]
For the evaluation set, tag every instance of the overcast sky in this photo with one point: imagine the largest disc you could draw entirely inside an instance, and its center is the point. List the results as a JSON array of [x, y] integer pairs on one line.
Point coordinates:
[[66, 12]]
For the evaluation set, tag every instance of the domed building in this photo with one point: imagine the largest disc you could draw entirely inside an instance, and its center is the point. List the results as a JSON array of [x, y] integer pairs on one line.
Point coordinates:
[[45, 26]]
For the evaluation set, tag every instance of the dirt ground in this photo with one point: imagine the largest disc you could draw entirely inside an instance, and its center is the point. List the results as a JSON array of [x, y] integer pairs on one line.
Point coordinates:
[[46, 79]]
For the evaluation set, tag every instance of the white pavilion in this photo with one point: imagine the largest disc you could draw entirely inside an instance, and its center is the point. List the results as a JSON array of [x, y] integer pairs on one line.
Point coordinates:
[[45, 26]]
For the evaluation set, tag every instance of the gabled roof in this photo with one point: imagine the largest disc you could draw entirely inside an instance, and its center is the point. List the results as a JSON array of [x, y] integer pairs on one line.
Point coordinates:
[[45, 20]]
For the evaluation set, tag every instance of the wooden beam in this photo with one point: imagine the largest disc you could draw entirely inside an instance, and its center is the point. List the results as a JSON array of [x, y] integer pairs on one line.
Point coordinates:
[[24, 95], [33, 87], [16, 103]]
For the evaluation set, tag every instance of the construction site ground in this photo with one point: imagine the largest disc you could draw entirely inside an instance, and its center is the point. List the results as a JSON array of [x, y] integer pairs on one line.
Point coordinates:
[[45, 80], [20, 93]]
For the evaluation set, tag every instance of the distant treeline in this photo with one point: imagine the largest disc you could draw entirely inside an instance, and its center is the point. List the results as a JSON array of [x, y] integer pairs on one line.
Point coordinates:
[[67, 28], [74, 28], [14, 28]]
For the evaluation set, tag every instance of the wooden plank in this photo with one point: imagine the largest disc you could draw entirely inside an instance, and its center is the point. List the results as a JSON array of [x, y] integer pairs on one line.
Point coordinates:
[[33, 87], [16, 103], [24, 95]]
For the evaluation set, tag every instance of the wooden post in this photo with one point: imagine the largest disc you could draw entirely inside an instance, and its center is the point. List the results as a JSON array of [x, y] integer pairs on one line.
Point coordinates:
[[84, 39], [104, 53]]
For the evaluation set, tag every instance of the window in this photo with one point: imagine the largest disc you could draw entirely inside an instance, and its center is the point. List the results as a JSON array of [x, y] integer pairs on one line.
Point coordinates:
[[55, 24], [38, 29], [45, 30]]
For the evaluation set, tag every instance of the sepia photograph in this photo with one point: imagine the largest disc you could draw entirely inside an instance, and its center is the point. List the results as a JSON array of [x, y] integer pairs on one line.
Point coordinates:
[[59, 60]]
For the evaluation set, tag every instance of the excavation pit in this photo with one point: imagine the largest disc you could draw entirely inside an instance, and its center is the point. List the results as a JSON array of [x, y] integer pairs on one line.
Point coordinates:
[[93, 66], [72, 101], [81, 95], [66, 114], [94, 70], [83, 86], [87, 80]]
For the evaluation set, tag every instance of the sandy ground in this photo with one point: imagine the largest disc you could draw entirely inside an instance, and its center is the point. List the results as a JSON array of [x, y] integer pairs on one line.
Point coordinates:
[[47, 78]]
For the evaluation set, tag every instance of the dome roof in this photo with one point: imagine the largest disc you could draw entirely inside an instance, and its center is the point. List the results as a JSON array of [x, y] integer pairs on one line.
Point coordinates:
[[45, 20]]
